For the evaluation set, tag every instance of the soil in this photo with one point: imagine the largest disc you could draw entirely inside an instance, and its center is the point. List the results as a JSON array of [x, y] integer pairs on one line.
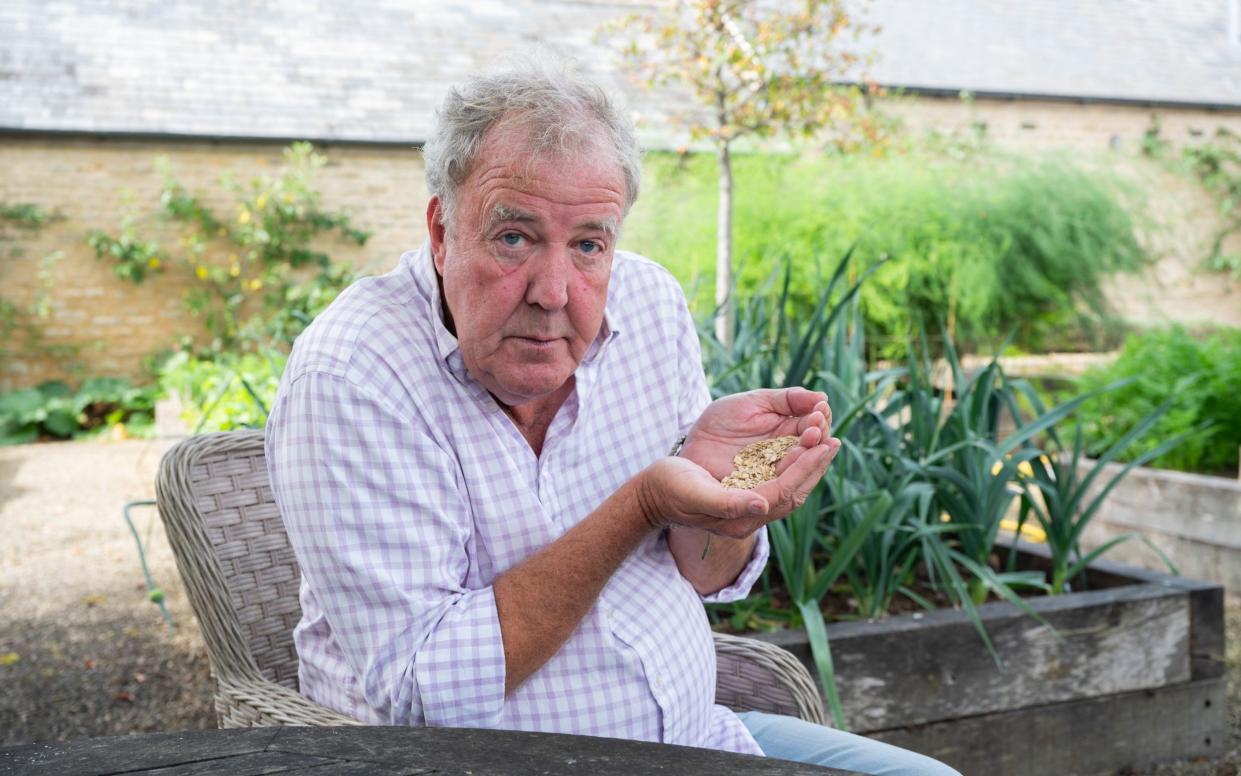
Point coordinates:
[[84, 652]]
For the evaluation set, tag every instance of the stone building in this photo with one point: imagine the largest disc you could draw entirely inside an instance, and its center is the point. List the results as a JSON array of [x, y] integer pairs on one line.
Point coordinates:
[[91, 94]]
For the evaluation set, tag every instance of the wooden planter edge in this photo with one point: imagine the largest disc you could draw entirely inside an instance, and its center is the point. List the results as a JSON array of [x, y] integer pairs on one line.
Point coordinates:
[[1169, 630]]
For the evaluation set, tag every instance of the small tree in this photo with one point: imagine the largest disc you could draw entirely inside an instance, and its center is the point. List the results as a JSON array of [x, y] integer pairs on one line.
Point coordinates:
[[756, 69]]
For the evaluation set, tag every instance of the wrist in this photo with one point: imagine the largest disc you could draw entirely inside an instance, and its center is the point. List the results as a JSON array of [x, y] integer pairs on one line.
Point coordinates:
[[645, 490]]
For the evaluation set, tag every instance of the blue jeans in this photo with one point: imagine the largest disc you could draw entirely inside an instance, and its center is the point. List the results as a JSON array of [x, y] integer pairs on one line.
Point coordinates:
[[789, 738]]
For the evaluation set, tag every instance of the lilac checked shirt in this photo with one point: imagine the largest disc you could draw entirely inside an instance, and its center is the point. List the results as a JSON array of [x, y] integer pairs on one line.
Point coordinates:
[[407, 490]]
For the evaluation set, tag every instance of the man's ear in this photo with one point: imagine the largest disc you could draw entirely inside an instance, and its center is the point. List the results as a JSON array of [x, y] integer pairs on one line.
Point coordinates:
[[437, 231]]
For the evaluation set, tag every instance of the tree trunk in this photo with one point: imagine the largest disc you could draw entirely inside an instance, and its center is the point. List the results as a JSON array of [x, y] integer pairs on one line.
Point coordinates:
[[724, 251]]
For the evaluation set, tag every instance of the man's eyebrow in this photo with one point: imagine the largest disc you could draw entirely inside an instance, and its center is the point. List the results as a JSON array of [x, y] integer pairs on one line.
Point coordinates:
[[609, 226], [502, 213]]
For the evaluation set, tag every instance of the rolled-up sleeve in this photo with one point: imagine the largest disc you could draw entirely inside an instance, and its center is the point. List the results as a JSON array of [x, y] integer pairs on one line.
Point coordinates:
[[379, 521]]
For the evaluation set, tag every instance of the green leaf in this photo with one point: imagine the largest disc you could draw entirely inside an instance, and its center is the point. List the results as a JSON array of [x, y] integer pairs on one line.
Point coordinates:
[[61, 423], [821, 650], [19, 436], [19, 404]]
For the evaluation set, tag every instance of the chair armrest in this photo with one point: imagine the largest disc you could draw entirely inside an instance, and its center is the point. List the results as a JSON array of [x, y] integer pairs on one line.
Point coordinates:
[[752, 675], [260, 703]]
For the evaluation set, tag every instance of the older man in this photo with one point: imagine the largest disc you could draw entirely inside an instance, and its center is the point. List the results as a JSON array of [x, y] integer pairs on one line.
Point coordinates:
[[470, 456]]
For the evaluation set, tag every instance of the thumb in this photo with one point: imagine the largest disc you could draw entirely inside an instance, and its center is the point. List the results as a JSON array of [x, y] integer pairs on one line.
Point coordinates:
[[693, 492]]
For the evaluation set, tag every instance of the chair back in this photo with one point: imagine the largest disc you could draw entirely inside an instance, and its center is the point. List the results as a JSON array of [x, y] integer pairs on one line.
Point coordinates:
[[231, 548]]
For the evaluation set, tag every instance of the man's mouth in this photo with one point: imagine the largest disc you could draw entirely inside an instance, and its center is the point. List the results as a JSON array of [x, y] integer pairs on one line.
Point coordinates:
[[537, 341]]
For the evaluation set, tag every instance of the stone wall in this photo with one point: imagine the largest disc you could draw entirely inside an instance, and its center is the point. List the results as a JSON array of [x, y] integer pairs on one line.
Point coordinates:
[[1026, 125], [91, 182]]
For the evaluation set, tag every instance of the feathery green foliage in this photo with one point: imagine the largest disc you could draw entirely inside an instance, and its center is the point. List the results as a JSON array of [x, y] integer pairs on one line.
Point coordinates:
[[986, 244]]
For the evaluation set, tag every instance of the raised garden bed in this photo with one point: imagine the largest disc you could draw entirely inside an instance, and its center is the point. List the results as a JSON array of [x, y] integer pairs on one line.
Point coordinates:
[[1193, 518], [1136, 678]]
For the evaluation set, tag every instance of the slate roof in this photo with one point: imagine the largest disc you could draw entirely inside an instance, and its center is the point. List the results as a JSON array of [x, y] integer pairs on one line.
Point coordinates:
[[360, 70], [373, 70], [1160, 51]]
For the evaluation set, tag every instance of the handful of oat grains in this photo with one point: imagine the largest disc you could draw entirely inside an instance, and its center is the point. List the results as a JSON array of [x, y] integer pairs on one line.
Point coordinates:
[[755, 464]]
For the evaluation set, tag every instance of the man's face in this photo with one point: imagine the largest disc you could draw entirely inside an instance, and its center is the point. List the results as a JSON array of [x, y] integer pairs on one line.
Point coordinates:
[[525, 266]]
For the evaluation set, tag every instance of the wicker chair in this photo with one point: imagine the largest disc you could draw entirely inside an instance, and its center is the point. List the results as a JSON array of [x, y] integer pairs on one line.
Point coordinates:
[[242, 580]]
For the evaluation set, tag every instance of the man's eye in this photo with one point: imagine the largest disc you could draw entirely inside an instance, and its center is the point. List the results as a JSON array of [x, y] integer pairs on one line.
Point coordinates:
[[511, 239], [590, 247]]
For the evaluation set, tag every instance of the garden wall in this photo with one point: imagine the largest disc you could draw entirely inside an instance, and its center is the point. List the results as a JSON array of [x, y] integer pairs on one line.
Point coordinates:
[[91, 181], [1027, 125], [1193, 518]]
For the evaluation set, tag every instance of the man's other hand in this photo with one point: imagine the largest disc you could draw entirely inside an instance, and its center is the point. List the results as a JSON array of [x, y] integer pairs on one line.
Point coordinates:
[[733, 422], [686, 490]]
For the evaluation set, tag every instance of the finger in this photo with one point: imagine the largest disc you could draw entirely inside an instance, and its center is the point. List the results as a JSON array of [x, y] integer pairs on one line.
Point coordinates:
[[809, 438], [790, 489], [717, 501], [684, 493], [794, 402], [790, 458], [705, 497], [816, 419], [835, 445]]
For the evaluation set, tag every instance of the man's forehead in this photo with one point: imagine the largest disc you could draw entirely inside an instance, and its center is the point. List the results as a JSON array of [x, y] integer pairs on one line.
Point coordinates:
[[511, 153], [591, 170]]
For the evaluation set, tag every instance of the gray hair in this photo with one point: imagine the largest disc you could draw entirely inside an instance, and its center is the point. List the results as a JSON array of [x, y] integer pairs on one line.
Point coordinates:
[[558, 111]]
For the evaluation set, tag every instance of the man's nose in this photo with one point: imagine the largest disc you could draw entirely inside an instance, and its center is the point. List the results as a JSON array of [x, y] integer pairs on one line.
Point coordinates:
[[548, 285]]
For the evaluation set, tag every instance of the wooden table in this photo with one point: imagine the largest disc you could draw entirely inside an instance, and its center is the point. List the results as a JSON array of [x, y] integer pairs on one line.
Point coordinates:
[[381, 751]]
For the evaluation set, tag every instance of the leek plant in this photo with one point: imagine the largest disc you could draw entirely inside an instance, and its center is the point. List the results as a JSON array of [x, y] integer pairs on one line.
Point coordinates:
[[911, 507], [796, 543], [1064, 502]]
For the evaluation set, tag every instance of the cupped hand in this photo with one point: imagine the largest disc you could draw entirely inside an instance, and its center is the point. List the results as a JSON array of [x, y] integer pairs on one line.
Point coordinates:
[[677, 491], [732, 422]]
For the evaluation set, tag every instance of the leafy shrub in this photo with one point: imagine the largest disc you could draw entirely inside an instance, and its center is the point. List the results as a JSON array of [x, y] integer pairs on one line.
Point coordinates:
[[1202, 378], [259, 275], [984, 243], [226, 392], [54, 410]]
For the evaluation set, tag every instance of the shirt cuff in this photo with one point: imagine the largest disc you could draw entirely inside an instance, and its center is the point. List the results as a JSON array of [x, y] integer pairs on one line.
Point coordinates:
[[459, 669], [748, 576]]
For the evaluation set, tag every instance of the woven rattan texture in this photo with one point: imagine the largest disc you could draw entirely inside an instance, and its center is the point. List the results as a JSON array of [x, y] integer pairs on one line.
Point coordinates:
[[234, 497], [242, 579], [755, 675]]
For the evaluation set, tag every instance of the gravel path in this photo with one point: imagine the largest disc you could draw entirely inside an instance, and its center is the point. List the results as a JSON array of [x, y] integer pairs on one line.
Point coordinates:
[[83, 652]]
